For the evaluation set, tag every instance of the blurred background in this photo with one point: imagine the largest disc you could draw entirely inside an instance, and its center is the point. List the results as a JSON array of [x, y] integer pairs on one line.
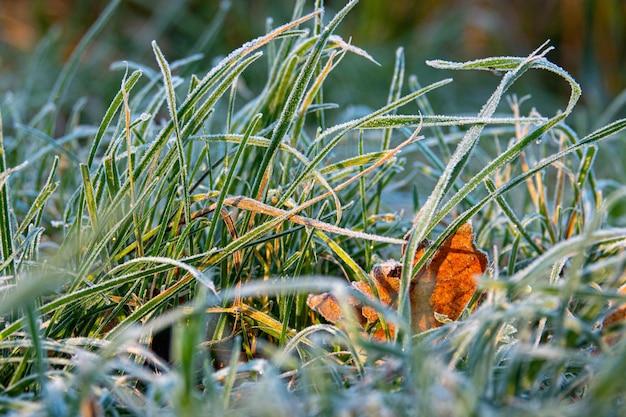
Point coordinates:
[[589, 39]]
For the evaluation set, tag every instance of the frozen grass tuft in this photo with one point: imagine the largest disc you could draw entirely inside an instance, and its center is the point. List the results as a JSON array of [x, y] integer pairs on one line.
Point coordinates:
[[159, 263]]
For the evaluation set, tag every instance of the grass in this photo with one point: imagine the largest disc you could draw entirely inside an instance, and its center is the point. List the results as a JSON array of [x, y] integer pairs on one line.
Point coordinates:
[[195, 220]]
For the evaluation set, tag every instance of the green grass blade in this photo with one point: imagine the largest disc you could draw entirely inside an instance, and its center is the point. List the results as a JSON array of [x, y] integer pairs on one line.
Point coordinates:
[[36, 209], [6, 233], [109, 114], [171, 101], [90, 199]]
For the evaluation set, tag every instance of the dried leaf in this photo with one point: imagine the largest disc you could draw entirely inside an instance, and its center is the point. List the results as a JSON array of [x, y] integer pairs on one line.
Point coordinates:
[[447, 283], [385, 277], [441, 289], [327, 305]]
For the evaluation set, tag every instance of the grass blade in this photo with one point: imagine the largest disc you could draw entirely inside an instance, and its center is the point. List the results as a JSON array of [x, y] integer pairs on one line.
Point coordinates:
[[6, 232], [171, 101]]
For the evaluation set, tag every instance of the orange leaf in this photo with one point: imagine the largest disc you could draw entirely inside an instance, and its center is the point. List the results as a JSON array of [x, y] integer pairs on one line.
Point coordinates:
[[447, 283], [385, 277], [443, 287], [327, 305]]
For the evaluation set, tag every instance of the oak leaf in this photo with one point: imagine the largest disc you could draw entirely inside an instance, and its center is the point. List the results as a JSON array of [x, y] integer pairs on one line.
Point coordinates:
[[442, 288], [447, 283]]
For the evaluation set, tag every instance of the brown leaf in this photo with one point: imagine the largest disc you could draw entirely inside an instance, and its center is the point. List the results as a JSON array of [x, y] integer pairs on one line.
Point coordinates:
[[447, 283], [386, 278], [327, 305], [444, 286]]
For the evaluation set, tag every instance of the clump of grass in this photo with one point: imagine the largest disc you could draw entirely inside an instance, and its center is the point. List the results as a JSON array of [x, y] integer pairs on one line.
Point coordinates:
[[194, 222]]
